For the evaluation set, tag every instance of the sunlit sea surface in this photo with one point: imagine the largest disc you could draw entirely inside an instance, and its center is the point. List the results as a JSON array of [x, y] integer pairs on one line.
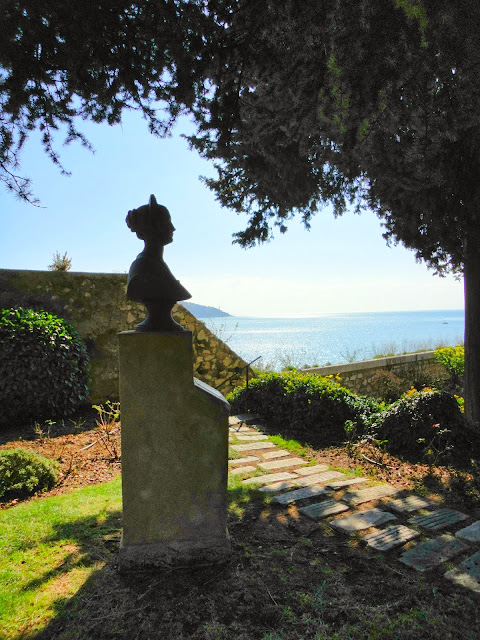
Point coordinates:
[[333, 338]]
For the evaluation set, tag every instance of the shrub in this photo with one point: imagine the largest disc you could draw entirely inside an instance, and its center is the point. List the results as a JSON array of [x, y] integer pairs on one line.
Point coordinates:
[[23, 473], [453, 359], [410, 424], [312, 408], [42, 367]]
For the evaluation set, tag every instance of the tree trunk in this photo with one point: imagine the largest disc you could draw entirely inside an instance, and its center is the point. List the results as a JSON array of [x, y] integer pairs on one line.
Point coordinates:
[[472, 326]]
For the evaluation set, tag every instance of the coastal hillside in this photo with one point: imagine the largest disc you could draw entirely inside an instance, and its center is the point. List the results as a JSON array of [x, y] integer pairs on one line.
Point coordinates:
[[203, 311]]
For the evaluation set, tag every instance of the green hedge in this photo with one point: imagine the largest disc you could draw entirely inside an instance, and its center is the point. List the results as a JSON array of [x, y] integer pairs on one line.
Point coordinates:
[[423, 418], [312, 408], [43, 367]]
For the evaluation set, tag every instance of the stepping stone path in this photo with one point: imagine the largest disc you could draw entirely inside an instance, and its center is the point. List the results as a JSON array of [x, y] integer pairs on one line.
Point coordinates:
[[362, 520], [471, 533], [301, 494], [279, 453], [390, 537], [410, 503], [367, 495], [468, 574], [323, 509], [245, 460], [438, 519], [318, 478], [281, 464], [309, 471], [300, 482], [252, 446], [432, 552], [339, 484], [242, 470], [274, 477]]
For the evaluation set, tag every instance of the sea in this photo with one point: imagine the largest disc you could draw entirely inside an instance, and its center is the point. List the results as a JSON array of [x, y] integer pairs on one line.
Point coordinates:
[[337, 337]]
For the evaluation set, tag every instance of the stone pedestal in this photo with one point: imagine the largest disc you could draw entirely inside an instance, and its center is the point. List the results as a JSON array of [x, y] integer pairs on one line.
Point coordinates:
[[174, 455]]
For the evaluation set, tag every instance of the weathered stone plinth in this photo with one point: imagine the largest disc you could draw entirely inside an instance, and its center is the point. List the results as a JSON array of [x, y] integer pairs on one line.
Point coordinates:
[[174, 456]]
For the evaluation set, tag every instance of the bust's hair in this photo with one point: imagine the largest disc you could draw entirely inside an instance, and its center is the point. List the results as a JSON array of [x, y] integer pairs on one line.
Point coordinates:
[[147, 219]]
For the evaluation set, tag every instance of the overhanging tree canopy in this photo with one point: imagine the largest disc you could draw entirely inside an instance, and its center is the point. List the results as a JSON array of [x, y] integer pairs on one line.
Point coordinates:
[[63, 60], [300, 104]]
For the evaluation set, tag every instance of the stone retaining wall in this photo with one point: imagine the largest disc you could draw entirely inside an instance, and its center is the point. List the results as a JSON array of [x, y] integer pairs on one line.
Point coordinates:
[[387, 377], [97, 306]]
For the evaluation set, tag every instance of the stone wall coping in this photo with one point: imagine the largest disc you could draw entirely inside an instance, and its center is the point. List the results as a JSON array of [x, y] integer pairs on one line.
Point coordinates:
[[95, 274], [375, 363]]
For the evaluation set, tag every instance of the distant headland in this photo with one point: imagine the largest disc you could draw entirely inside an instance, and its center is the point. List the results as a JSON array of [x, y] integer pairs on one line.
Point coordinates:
[[202, 311]]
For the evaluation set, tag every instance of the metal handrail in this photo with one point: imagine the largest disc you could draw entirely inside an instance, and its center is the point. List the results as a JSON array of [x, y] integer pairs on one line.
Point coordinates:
[[238, 372]]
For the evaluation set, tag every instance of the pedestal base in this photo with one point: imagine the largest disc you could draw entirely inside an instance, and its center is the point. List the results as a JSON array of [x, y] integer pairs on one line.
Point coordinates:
[[184, 553], [174, 456]]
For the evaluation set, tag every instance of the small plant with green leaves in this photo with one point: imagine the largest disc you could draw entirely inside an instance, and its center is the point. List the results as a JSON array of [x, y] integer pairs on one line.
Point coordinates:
[[436, 450], [23, 473], [60, 263], [43, 367]]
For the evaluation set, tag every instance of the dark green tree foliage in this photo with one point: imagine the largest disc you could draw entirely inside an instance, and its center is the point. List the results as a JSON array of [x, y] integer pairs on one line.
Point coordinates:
[[372, 103], [23, 473], [42, 367], [61, 61]]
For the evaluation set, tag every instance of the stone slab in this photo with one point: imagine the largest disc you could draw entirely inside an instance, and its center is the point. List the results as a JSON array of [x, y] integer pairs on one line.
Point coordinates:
[[270, 477], [245, 418], [410, 503], [468, 573], [362, 520], [324, 509], [471, 533], [339, 484], [278, 453], [318, 478], [246, 460], [367, 495], [241, 470], [301, 494], [242, 429], [281, 464], [247, 437], [438, 519], [391, 537], [309, 471], [278, 486], [431, 553], [252, 446]]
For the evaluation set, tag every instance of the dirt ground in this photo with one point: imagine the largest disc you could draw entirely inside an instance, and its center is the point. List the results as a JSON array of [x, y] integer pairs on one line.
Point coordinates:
[[288, 578]]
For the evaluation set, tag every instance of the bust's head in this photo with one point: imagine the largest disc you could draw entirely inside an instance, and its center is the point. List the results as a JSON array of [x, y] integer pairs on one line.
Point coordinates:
[[151, 221]]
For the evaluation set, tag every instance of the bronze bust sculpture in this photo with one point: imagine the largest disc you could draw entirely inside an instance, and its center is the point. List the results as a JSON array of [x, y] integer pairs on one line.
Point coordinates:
[[150, 281]]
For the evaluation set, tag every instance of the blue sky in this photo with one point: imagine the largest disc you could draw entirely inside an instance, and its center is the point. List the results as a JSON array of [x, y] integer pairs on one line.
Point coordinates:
[[341, 265]]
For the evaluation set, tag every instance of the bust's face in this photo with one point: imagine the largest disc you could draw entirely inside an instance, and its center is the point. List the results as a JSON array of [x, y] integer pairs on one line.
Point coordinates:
[[162, 227]]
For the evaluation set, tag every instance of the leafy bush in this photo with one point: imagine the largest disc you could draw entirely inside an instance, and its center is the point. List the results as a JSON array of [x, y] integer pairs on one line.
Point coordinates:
[[42, 367], [419, 418], [23, 473], [312, 408], [453, 359]]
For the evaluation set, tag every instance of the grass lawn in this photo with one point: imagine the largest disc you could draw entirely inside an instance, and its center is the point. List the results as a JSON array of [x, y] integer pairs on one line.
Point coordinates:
[[48, 549]]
